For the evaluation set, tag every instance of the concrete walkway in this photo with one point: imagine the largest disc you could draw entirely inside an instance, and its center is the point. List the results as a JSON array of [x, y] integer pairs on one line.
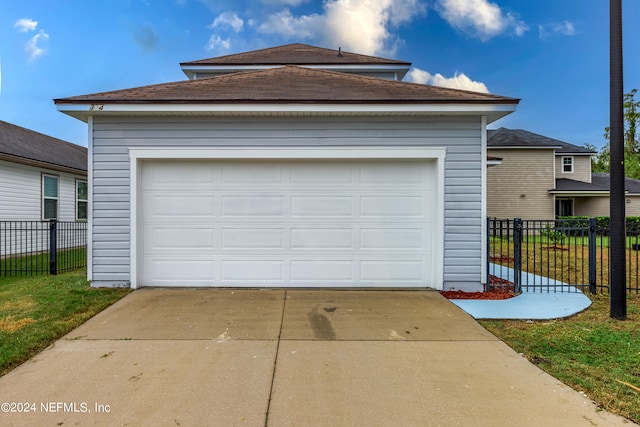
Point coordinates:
[[542, 298], [173, 357]]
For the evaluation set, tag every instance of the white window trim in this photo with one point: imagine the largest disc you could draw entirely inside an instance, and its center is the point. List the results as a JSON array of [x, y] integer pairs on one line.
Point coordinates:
[[137, 155], [42, 196], [573, 163], [81, 200]]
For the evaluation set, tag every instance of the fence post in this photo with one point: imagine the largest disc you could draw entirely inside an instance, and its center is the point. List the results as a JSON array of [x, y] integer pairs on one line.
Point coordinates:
[[53, 244], [487, 286], [517, 255], [592, 255]]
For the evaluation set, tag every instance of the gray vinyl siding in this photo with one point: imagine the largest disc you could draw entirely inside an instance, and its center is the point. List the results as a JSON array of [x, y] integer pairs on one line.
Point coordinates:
[[112, 137]]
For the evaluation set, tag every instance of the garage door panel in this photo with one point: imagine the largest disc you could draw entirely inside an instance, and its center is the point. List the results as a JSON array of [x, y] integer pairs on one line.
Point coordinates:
[[179, 238], [390, 173], [168, 175], [398, 238], [322, 206], [324, 270], [259, 173], [178, 271], [322, 238], [253, 206], [392, 206], [384, 270], [251, 238], [180, 205], [253, 270], [308, 173], [287, 223]]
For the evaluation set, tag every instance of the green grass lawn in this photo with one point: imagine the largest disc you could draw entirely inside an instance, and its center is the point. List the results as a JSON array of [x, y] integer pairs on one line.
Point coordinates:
[[590, 352], [37, 310], [30, 264]]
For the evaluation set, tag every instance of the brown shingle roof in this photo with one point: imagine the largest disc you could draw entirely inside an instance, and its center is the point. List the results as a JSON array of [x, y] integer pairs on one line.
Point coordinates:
[[289, 84], [295, 54], [26, 146], [521, 138]]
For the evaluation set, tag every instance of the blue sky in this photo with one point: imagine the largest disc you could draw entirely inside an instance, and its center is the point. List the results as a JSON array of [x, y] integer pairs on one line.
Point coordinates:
[[552, 54]]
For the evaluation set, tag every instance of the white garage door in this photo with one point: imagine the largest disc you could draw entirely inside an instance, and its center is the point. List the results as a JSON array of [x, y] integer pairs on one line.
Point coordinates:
[[287, 223]]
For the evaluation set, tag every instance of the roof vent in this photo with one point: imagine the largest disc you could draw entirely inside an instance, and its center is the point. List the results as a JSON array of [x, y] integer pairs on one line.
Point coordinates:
[[340, 55]]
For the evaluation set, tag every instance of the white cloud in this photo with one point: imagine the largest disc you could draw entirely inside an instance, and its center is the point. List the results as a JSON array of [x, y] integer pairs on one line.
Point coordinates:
[[458, 81], [363, 26], [32, 47], [25, 25], [216, 42], [228, 20], [564, 28], [480, 18], [286, 24]]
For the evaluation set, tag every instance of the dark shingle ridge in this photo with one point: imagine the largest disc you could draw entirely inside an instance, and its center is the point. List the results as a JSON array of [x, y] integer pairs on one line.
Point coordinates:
[[503, 137], [296, 54], [289, 84], [21, 143]]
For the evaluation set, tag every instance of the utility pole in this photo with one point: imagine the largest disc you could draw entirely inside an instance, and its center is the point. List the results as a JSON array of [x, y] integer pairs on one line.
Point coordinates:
[[617, 229]]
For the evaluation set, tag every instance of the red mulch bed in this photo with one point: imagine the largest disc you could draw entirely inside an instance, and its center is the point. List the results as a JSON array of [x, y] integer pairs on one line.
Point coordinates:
[[498, 289]]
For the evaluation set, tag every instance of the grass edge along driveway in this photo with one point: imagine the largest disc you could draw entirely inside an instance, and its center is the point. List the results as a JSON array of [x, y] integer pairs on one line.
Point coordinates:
[[590, 352], [37, 310]]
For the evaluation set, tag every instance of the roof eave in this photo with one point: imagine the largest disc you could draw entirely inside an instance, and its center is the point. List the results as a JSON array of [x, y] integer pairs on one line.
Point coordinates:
[[83, 110], [580, 192], [41, 164], [523, 147]]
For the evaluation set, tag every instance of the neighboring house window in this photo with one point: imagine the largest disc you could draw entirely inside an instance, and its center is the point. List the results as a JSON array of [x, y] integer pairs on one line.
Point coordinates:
[[564, 207], [567, 165], [49, 197], [82, 198]]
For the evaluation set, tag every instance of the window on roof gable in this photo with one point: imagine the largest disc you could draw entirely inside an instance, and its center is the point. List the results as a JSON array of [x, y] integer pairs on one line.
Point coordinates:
[[567, 164]]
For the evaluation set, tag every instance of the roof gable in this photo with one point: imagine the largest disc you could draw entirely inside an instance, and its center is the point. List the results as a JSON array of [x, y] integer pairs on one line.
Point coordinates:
[[22, 145], [524, 139], [296, 54]]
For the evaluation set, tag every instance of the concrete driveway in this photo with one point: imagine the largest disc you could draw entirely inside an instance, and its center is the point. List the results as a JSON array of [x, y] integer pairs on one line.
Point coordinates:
[[196, 357]]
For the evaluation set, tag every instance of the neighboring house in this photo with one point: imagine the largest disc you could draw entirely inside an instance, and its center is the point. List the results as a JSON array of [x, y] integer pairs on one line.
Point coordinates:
[[41, 177], [288, 167], [538, 177]]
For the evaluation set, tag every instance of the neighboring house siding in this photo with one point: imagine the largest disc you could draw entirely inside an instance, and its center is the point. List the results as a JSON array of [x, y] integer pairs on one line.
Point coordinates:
[[581, 168], [21, 196], [599, 206], [522, 172], [112, 137], [591, 206]]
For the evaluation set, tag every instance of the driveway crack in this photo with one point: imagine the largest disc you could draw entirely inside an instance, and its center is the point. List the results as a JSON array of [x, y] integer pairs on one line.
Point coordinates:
[[275, 361]]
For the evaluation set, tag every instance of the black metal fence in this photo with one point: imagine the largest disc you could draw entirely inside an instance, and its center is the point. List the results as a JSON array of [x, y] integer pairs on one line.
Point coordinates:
[[562, 255], [42, 247]]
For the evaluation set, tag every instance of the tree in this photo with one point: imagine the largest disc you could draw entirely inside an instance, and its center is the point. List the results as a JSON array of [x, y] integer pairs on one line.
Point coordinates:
[[600, 161]]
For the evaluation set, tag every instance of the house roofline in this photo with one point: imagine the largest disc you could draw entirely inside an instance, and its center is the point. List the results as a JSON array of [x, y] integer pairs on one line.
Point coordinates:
[[587, 193], [40, 164], [82, 110], [525, 147]]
